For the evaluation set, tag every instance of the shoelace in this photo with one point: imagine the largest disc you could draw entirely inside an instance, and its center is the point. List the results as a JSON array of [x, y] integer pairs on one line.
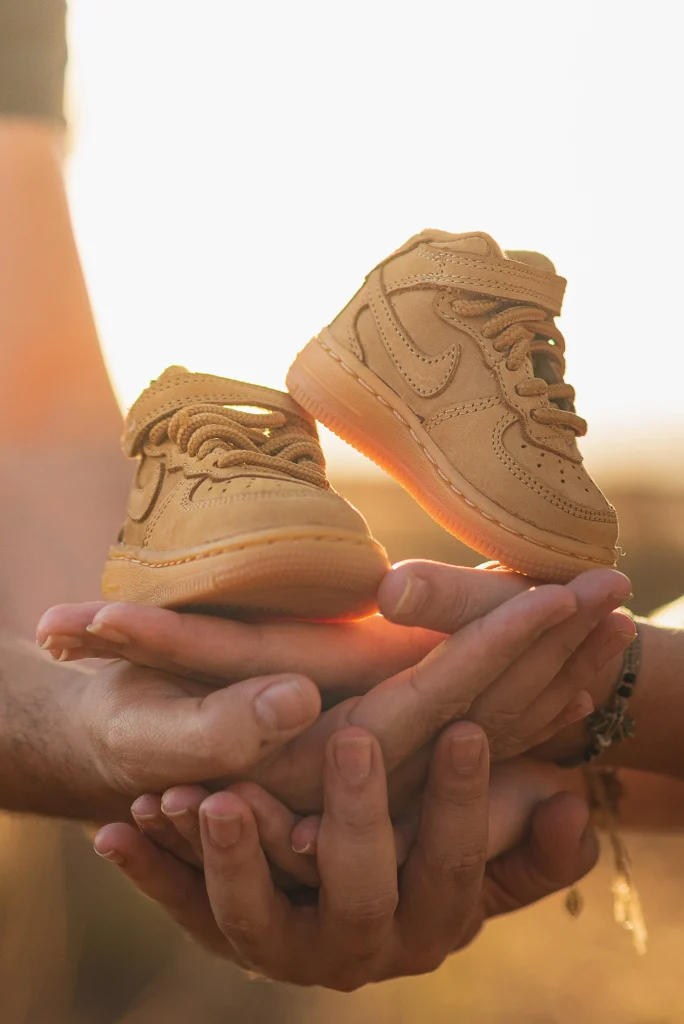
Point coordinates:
[[524, 330], [243, 439]]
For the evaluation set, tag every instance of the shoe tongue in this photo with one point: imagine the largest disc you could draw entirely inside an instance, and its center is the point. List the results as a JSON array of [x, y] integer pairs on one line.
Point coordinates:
[[545, 363]]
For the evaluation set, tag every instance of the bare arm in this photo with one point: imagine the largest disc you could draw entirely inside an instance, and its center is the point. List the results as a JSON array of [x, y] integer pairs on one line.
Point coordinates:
[[81, 745], [657, 707], [44, 767]]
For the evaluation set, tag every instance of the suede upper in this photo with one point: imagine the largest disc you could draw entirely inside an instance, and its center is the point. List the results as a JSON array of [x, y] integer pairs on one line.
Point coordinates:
[[209, 470], [465, 335]]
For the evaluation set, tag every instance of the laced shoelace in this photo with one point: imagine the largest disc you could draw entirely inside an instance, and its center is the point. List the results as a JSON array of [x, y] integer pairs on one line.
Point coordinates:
[[239, 438], [523, 331]]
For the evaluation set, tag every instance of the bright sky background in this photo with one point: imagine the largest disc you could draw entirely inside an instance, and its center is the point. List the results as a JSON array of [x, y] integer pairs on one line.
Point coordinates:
[[238, 168]]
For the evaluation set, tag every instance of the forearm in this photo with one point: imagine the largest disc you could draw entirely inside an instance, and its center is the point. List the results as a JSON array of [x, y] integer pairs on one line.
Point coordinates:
[[47, 765], [657, 706]]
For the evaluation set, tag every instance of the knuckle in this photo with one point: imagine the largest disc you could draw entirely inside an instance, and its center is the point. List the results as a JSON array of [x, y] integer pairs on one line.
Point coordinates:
[[565, 646], [349, 981], [499, 720], [509, 745], [458, 867], [427, 961], [441, 708], [364, 821], [249, 936], [366, 909]]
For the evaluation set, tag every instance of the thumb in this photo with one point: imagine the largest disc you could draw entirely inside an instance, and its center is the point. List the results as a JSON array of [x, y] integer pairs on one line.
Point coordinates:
[[164, 737], [444, 597]]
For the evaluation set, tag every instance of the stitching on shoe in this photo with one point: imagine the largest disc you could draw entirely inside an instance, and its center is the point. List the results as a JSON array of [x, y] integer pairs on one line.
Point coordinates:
[[466, 283], [361, 542], [463, 409], [519, 270], [190, 505], [471, 504], [524, 477]]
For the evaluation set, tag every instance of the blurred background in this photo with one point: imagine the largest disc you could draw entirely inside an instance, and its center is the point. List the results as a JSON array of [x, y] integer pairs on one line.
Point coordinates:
[[233, 172]]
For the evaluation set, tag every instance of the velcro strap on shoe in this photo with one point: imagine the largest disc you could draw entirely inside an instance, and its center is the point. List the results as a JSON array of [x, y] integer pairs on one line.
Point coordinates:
[[171, 393], [489, 275]]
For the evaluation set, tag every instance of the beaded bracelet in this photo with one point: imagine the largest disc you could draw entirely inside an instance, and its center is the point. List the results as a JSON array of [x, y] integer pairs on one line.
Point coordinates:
[[607, 725], [611, 723]]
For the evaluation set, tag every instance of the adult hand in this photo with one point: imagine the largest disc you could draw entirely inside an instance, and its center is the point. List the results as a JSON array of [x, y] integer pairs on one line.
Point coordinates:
[[421, 602], [144, 729], [359, 927], [513, 670]]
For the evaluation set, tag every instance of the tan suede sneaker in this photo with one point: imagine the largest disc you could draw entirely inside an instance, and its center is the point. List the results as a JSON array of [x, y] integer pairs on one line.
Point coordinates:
[[446, 369], [231, 511]]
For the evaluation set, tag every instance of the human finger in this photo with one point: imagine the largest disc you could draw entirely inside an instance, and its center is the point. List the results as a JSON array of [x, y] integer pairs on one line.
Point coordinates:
[[249, 910], [275, 825], [340, 657], [180, 806], [163, 878], [152, 734], [149, 817], [441, 884], [356, 853], [537, 670]]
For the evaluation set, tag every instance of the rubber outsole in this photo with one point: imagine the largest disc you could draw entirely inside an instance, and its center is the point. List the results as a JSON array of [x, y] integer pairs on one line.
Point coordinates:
[[348, 398], [316, 574]]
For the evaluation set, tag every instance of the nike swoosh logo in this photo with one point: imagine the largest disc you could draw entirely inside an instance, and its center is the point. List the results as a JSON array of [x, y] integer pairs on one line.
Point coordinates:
[[427, 375], [141, 499]]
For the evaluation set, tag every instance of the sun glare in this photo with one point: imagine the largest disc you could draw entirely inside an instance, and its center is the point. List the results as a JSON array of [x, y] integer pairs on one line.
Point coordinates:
[[238, 168]]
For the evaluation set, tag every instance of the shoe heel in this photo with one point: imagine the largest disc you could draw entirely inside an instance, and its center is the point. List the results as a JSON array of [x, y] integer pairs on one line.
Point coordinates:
[[330, 385]]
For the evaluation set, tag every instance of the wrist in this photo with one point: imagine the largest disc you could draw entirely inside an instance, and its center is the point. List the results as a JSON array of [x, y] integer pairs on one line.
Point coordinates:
[[47, 761]]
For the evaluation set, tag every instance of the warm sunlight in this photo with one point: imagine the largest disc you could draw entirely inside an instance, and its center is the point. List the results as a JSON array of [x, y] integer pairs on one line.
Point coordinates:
[[223, 218]]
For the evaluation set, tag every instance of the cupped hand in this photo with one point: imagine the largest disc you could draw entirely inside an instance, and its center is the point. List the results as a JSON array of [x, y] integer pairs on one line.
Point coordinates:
[[519, 670], [361, 926], [143, 730]]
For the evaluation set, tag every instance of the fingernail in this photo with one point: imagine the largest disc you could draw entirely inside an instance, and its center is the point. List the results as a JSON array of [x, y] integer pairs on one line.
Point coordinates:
[[307, 848], [184, 819], [107, 632], [224, 830], [111, 855], [465, 751], [149, 822], [58, 654], [62, 641], [614, 645], [618, 597], [354, 758], [282, 706], [413, 596]]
